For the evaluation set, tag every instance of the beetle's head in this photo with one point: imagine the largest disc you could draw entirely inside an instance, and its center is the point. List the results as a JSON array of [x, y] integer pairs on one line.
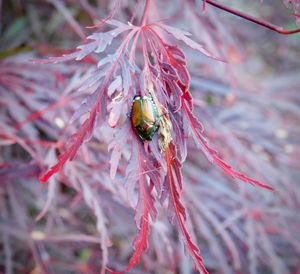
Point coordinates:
[[137, 97]]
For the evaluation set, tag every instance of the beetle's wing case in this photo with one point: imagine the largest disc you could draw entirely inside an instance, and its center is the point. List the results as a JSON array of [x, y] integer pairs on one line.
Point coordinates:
[[148, 111], [136, 113]]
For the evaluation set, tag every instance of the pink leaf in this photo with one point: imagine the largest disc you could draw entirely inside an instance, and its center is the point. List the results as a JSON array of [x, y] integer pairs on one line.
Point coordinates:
[[116, 145], [144, 208], [97, 42], [196, 129], [83, 133], [117, 83], [174, 167], [183, 36]]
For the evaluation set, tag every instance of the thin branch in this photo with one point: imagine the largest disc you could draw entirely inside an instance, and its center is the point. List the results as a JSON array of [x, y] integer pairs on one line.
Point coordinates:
[[257, 21]]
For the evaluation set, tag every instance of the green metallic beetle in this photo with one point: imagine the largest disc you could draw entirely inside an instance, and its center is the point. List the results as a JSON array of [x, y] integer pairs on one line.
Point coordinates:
[[144, 117]]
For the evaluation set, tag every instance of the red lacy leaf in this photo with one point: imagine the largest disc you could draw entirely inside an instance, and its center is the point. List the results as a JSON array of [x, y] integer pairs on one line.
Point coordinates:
[[96, 102], [140, 244], [141, 241], [196, 130], [84, 133], [183, 36], [116, 146], [174, 188], [144, 208], [97, 42]]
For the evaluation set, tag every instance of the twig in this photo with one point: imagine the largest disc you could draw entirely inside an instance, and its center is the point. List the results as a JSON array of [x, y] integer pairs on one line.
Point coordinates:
[[257, 21]]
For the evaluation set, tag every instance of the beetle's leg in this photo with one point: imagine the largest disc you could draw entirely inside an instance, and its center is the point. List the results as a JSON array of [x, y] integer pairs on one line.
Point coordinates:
[[156, 124], [159, 118], [163, 114]]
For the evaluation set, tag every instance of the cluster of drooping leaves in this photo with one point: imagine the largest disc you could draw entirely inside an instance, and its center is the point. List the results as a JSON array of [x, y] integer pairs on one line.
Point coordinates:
[[153, 178], [112, 87]]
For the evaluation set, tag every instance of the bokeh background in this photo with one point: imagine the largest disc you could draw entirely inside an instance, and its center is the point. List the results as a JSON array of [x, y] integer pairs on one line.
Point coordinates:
[[250, 108]]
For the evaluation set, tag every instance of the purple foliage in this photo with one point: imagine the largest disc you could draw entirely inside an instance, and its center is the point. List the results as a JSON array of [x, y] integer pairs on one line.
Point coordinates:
[[84, 221]]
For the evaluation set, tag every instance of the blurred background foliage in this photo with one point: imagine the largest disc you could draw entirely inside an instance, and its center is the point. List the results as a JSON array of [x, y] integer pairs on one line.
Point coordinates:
[[249, 107]]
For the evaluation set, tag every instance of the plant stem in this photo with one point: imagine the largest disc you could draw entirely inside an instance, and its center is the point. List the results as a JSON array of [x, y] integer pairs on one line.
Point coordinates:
[[263, 23], [145, 13]]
